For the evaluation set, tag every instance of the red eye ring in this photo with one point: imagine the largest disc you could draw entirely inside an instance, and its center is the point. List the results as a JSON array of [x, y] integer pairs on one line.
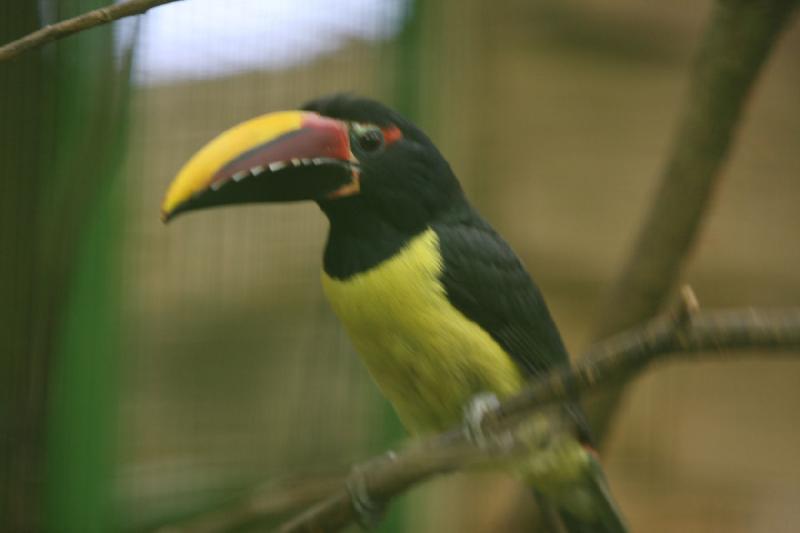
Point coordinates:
[[391, 134]]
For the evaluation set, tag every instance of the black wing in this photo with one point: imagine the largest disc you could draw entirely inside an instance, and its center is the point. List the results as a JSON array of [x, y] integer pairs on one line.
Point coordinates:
[[486, 281]]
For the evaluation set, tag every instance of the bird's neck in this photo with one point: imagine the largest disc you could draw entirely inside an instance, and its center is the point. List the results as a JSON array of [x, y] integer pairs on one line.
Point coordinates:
[[362, 235], [359, 240]]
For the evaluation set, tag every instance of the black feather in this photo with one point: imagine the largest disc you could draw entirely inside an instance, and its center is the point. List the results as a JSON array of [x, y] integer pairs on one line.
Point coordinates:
[[486, 281]]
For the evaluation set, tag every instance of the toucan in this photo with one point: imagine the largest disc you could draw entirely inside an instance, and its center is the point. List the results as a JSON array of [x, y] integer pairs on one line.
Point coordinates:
[[435, 302]]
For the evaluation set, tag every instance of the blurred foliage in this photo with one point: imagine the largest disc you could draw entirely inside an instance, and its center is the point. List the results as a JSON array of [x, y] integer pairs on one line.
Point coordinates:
[[23, 357], [63, 127]]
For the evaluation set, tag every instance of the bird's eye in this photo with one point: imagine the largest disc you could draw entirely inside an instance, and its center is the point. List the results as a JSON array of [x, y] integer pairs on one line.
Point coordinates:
[[370, 139]]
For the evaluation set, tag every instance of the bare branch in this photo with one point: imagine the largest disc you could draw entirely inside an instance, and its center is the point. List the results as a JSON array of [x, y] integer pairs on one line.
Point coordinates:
[[714, 334], [683, 333], [735, 46], [272, 499], [87, 20]]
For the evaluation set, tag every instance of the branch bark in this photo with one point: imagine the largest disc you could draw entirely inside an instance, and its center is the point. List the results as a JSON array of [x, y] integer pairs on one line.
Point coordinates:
[[735, 46], [681, 334], [85, 21]]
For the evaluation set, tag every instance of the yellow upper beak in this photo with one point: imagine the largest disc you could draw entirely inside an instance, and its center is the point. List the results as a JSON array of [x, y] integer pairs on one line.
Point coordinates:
[[241, 164]]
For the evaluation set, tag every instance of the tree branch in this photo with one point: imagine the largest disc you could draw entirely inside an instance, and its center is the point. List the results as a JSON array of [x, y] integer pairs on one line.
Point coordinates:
[[683, 333], [735, 46], [90, 19]]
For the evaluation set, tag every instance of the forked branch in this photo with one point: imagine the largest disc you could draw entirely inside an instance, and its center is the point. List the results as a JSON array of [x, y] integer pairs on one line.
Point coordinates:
[[732, 53]]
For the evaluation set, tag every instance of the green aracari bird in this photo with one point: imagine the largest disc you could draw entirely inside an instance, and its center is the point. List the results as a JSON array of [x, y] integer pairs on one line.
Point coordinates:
[[438, 306]]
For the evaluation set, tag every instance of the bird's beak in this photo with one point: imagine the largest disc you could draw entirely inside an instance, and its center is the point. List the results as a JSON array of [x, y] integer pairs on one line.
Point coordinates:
[[278, 157]]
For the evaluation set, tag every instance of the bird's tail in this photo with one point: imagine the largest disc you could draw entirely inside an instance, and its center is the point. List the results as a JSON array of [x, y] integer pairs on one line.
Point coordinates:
[[586, 506], [566, 475]]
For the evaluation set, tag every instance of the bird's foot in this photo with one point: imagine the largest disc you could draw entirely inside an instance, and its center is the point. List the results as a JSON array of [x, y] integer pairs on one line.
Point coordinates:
[[474, 414], [370, 512]]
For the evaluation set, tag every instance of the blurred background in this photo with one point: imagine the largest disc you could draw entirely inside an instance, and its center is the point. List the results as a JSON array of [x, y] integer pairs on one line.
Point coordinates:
[[151, 373]]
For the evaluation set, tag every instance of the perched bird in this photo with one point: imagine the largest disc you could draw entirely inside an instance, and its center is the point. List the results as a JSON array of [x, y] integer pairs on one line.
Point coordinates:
[[436, 303]]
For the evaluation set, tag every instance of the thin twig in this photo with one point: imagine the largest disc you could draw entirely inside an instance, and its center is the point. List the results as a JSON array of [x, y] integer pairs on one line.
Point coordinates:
[[684, 333], [272, 499], [90, 19], [735, 46]]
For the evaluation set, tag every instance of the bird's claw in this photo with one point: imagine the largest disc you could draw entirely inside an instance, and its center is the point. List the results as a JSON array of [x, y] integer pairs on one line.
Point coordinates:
[[369, 512], [474, 414]]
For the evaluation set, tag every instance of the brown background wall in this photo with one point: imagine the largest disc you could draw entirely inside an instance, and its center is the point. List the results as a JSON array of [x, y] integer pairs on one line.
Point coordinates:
[[557, 116]]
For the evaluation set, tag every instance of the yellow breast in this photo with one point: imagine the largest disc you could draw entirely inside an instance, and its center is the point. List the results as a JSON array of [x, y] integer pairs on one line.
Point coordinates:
[[424, 354]]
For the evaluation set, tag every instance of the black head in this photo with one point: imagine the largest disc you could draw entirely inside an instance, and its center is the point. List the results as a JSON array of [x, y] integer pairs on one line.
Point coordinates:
[[404, 181]]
